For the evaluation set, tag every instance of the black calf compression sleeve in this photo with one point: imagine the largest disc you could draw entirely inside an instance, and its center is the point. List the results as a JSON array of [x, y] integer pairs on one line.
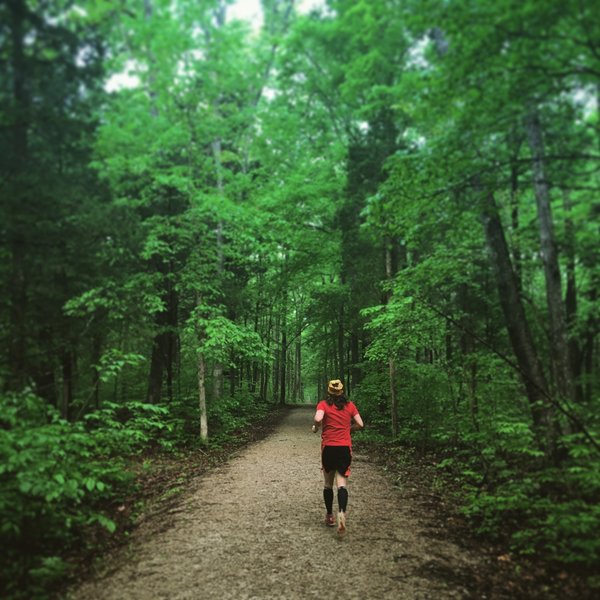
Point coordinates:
[[328, 497], [342, 498]]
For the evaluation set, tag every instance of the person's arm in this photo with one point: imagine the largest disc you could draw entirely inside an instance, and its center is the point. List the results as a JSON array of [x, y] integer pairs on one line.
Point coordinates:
[[318, 420], [357, 423]]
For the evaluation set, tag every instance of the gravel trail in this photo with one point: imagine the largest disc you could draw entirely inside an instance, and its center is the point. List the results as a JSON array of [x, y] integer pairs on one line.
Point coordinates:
[[253, 528]]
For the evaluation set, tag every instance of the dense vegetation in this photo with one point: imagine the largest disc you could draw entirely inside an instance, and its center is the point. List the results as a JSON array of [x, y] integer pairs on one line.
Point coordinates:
[[201, 220]]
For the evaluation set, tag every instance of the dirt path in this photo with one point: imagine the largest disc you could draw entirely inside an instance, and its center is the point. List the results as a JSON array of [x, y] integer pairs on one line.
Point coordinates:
[[253, 528]]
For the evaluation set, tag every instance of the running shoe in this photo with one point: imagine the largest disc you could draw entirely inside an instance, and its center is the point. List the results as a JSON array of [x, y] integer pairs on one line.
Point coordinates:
[[341, 523], [329, 520]]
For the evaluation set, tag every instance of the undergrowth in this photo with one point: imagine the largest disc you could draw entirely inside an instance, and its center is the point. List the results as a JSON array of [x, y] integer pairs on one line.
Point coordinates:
[[62, 483]]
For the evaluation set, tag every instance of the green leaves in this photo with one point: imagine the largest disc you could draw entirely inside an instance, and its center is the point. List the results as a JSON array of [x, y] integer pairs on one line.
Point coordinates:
[[225, 341], [107, 523], [114, 360], [63, 476]]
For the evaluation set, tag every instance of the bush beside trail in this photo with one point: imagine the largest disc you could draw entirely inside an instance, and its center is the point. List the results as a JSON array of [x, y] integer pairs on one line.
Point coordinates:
[[67, 487]]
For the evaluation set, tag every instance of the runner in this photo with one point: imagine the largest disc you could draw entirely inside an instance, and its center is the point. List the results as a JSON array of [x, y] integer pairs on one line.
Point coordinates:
[[339, 418]]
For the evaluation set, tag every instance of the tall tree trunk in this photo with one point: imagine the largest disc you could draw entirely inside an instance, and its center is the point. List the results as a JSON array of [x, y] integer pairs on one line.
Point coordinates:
[[264, 380], [96, 354], [202, 398], [160, 343], [473, 399], [299, 392], [18, 279], [340, 343], [202, 383], [355, 358], [389, 271], [517, 326], [67, 383], [44, 377], [220, 12], [163, 347], [217, 366], [276, 371], [556, 309], [571, 299], [155, 377], [253, 367], [283, 362], [172, 335], [591, 331], [514, 217]]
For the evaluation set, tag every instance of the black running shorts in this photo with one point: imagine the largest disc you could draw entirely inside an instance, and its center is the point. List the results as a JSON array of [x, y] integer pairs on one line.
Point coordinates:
[[337, 458]]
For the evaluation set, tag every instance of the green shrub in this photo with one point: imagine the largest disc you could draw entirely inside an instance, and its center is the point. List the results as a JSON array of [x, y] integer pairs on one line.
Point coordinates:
[[57, 478]]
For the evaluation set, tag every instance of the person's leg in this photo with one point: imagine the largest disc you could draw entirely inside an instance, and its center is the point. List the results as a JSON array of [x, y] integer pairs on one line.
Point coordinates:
[[328, 490], [342, 494], [341, 483], [342, 472], [328, 477]]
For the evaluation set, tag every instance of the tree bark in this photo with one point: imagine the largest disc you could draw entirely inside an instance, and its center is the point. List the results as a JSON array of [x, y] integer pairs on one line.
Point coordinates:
[[556, 309], [571, 300], [355, 358], [515, 225], [96, 352], [283, 362], [264, 381], [202, 382], [163, 347], [67, 383], [391, 365], [220, 12], [276, 363], [299, 392], [202, 399], [18, 279], [217, 366], [340, 342], [517, 325]]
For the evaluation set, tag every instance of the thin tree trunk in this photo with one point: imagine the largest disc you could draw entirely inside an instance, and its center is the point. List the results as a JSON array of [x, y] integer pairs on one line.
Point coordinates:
[[275, 377], [96, 352], [340, 341], [172, 339], [253, 367], [163, 348], [283, 362], [67, 383], [474, 403], [265, 370], [556, 309], [515, 225], [44, 377], [220, 12], [391, 366], [202, 384], [588, 349], [355, 358], [18, 278], [571, 299], [202, 399], [299, 393]]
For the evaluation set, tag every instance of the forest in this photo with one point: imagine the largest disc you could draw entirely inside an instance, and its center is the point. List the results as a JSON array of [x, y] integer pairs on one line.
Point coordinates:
[[204, 218]]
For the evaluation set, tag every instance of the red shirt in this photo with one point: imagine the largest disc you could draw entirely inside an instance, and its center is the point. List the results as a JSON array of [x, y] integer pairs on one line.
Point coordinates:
[[336, 423]]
